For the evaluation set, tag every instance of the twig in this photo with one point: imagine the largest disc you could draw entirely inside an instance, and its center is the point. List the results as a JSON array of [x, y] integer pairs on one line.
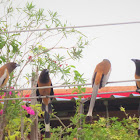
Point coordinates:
[[60, 121], [21, 71], [64, 130]]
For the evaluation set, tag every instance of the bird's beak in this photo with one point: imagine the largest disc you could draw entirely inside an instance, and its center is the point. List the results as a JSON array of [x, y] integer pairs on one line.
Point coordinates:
[[47, 70], [134, 60], [17, 65]]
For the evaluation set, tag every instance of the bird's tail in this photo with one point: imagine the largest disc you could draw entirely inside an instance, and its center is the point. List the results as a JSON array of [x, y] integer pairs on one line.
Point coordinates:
[[48, 111], [92, 103], [47, 122], [49, 107]]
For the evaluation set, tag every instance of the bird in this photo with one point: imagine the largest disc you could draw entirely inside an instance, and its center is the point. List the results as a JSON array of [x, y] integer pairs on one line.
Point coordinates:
[[5, 71], [137, 76], [99, 79], [44, 80], [137, 72]]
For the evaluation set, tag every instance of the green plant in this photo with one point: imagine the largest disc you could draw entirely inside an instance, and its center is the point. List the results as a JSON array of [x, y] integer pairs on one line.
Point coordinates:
[[117, 130], [34, 51]]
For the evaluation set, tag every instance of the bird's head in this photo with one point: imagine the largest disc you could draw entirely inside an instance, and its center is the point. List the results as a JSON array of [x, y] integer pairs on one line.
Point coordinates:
[[137, 64], [106, 60], [44, 76], [11, 66], [44, 72], [136, 61]]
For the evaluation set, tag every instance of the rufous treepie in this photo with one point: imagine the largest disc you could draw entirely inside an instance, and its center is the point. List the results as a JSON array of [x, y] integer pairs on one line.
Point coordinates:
[[44, 80], [99, 80], [5, 71]]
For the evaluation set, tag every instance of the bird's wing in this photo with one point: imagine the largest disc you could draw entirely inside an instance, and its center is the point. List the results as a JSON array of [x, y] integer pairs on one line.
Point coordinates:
[[137, 82], [104, 79], [52, 92], [37, 94], [4, 77], [93, 78]]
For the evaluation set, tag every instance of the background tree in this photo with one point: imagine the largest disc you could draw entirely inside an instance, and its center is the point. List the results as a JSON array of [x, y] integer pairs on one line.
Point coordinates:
[[35, 51], [43, 49]]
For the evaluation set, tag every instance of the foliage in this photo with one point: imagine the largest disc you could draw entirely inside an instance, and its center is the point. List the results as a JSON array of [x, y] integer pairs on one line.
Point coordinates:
[[34, 51], [42, 49], [117, 130], [39, 50]]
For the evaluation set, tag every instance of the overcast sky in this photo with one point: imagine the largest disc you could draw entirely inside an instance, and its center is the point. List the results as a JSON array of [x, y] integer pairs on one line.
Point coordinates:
[[119, 44]]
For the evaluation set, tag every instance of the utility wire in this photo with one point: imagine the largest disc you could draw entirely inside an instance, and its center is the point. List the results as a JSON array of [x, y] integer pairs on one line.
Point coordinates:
[[68, 95], [71, 27], [72, 85]]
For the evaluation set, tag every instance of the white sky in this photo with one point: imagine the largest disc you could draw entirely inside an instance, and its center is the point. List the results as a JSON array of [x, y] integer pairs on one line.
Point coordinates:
[[117, 43]]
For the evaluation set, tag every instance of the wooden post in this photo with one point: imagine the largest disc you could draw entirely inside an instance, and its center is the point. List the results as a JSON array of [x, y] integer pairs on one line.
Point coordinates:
[[107, 113], [81, 112], [34, 126]]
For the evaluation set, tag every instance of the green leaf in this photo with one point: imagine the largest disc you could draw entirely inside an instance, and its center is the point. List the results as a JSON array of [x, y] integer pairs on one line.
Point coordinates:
[[30, 6]]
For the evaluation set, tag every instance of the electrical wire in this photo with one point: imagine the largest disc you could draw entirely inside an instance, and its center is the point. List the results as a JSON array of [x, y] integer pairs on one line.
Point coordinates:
[[72, 27]]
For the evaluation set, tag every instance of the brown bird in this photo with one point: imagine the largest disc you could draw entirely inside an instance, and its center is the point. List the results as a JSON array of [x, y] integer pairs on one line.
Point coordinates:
[[99, 80], [44, 80], [137, 76], [137, 73], [5, 71]]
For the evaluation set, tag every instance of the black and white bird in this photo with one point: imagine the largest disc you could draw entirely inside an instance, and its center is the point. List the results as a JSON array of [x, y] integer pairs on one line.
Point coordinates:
[[137, 72], [137, 76]]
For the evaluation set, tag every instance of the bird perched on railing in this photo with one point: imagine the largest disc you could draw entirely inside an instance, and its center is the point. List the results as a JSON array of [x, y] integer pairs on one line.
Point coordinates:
[[5, 71], [137, 76], [99, 80], [137, 73], [44, 80]]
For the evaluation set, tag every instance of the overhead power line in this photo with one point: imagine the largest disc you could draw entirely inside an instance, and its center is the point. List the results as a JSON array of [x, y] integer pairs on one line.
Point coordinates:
[[71, 27]]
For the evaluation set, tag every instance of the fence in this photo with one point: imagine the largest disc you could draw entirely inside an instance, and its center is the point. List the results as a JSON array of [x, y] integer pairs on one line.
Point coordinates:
[[53, 96]]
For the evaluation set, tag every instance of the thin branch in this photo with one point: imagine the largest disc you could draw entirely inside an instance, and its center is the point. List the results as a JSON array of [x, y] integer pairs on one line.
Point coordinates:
[[21, 71], [60, 121], [65, 129]]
